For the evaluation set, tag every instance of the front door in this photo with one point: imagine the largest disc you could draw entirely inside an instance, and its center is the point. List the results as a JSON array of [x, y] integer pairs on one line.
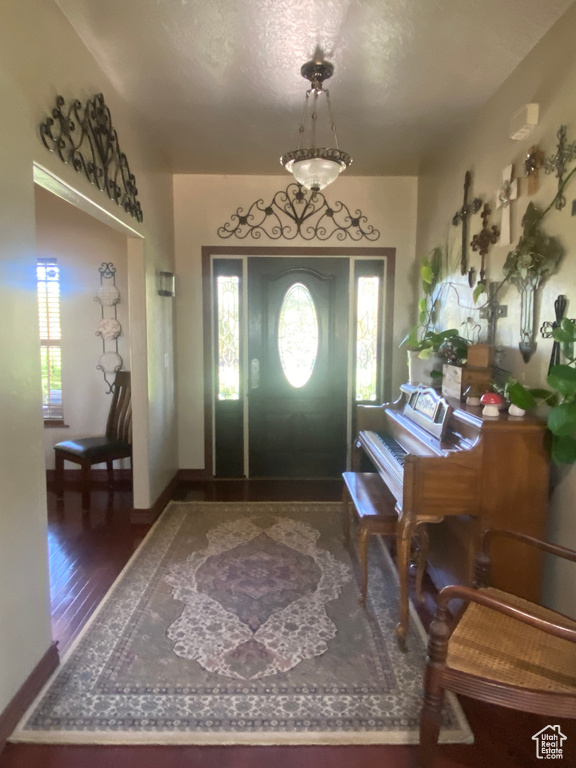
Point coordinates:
[[297, 366]]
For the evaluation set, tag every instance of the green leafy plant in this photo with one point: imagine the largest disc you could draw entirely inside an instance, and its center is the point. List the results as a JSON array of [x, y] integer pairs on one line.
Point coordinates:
[[537, 255], [423, 338], [561, 397]]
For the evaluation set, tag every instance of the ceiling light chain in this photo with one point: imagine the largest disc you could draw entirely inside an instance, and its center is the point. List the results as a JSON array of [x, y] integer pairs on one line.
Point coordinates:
[[316, 167]]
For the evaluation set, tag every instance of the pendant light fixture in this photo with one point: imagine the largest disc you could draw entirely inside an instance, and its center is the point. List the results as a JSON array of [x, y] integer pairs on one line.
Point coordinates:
[[316, 167]]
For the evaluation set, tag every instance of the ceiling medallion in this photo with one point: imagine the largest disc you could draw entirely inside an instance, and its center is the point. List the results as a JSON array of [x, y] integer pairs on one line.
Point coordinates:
[[83, 136], [316, 167], [297, 212]]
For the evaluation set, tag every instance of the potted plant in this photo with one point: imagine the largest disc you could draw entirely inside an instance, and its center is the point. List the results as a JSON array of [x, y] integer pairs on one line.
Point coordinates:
[[561, 397], [423, 341]]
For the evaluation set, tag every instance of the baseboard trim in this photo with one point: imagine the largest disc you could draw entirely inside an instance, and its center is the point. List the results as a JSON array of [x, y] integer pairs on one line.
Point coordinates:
[[190, 475], [27, 693], [148, 516]]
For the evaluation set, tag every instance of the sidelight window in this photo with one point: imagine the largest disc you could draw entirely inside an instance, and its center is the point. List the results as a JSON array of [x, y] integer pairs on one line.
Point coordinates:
[[48, 287], [368, 302], [298, 335], [228, 297]]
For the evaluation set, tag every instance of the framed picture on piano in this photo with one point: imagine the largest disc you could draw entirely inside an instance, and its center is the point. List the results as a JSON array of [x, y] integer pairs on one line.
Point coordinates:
[[428, 409]]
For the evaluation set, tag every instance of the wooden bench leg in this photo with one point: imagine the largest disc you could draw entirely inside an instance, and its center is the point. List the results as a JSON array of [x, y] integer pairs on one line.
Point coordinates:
[[346, 517], [363, 557]]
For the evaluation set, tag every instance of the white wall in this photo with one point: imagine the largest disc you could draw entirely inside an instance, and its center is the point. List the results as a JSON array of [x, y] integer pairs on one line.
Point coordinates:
[[547, 76], [40, 57], [80, 244], [204, 203]]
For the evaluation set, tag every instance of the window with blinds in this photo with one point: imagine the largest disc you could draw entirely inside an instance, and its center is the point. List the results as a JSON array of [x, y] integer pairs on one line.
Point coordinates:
[[48, 281]]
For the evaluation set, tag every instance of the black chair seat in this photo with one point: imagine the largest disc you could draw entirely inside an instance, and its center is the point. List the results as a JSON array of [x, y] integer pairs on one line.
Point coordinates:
[[95, 447]]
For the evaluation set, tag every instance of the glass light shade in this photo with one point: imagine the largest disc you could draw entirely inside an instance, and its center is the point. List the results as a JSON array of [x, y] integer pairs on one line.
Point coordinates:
[[317, 172]]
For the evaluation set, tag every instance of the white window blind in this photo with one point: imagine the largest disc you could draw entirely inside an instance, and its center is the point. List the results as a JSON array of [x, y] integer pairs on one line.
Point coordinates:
[[48, 281]]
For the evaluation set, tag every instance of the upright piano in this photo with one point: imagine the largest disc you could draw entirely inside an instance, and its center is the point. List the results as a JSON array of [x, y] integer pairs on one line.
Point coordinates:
[[446, 463]]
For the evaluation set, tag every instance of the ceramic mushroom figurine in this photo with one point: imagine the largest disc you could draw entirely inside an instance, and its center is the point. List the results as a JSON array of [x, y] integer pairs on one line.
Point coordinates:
[[492, 402]]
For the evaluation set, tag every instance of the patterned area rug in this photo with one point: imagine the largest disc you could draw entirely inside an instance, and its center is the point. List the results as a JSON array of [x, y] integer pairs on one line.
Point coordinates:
[[239, 623]]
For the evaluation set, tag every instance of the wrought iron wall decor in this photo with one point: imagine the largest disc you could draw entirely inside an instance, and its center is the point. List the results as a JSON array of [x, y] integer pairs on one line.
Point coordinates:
[[548, 328], [83, 136], [484, 239], [109, 329], [557, 163], [298, 212], [461, 217]]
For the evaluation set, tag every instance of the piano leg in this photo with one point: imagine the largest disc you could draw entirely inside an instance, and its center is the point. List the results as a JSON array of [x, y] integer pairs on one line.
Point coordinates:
[[422, 545], [405, 532], [363, 557]]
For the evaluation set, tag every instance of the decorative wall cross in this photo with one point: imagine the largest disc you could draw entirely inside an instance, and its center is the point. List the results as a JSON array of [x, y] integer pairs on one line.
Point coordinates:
[[557, 163], [461, 217], [507, 192], [492, 311], [532, 163], [483, 240], [548, 328]]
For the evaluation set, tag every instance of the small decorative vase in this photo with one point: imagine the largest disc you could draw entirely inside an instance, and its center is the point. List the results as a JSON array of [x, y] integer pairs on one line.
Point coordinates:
[[514, 410]]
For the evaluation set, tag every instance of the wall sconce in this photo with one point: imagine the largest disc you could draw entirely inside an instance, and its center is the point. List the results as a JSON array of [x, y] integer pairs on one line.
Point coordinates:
[[166, 284]]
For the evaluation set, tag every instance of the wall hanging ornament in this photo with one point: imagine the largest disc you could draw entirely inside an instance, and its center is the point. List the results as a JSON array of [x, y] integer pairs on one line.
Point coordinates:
[[504, 197], [109, 329], [534, 259], [533, 161], [297, 212], [461, 217], [483, 240], [548, 328], [557, 163], [83, 136]]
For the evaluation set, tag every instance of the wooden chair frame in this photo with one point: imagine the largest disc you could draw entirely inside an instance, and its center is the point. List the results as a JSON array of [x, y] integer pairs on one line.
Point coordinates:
[[440, 677], [115, 444]]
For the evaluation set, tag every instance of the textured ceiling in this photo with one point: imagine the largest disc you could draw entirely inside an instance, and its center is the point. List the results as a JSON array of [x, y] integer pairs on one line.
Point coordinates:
[[219, 81]]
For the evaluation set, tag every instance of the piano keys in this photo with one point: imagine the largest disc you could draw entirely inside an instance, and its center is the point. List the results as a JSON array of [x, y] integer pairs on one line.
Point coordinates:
[[446, 463]]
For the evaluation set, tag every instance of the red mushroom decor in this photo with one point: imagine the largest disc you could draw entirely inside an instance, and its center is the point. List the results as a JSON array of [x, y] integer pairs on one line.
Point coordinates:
[[492, 402]]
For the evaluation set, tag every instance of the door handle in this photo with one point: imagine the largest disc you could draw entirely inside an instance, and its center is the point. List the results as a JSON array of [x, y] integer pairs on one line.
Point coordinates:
[[254, 373]]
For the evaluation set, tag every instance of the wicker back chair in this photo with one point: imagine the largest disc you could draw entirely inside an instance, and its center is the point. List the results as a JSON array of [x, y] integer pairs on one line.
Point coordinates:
[[115, 444], [500, 649]]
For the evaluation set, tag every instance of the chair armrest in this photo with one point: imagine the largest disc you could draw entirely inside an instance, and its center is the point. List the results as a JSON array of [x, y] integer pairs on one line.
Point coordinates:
[[452, 592], [482, 562]]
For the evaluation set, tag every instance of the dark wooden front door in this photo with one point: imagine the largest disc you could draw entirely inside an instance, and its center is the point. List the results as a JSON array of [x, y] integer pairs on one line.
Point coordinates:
[[297, 421]]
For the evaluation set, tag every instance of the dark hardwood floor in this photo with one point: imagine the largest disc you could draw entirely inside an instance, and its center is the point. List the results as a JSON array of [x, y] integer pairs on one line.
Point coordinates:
[[86, 554]]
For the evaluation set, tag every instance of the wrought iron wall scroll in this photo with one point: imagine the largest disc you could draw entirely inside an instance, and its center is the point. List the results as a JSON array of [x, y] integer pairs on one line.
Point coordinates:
[[296, 212], [83, 136]]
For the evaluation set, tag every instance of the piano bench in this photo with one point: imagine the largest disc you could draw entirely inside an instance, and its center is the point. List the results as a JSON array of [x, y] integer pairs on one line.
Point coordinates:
[[374, 509]]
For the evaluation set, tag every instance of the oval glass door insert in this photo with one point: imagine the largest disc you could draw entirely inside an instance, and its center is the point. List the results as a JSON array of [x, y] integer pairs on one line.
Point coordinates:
[[298, 335]]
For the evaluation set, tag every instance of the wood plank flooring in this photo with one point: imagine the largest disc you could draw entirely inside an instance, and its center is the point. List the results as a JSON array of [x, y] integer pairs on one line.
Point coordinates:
[[87, 552]]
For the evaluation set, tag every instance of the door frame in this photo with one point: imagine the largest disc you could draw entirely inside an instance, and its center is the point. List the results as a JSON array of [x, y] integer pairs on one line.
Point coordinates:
[[210, 252]]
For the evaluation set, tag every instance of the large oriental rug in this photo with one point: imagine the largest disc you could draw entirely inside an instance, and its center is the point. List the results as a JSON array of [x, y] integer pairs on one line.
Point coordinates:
[[239, 623]]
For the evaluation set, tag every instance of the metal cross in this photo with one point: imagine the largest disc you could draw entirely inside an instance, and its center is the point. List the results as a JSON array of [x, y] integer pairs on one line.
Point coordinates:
[[461, 216], [492, 311], [484, 239], [548, 328], [504, 196], [532, 163], [557, 163]]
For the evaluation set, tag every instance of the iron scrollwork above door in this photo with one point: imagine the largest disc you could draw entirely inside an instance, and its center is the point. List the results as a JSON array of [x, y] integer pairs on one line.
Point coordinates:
[[83, 136], [296, 212]]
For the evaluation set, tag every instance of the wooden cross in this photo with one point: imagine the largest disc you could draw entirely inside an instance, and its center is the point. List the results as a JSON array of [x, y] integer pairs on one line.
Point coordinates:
[[548, 328], [492, 311], [507, 192], [532, 163], [483, 240], [461, 216], [557, 163]]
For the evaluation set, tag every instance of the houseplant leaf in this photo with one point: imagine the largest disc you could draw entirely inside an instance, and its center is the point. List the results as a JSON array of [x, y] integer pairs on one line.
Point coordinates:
[[563, 379], [562, 419], [521, 396], [563, 449]]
